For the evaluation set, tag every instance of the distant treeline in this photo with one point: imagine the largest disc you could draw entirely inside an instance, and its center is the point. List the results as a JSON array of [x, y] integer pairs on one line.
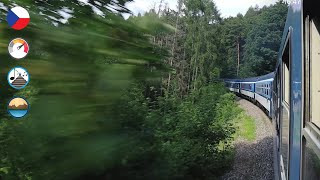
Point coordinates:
[[259, 34]]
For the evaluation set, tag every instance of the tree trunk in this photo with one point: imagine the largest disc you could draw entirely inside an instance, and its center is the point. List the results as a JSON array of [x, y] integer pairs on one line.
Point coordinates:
[[173, 46]]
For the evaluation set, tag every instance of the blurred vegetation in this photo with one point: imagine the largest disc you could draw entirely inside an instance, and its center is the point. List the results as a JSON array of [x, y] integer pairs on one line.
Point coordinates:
[[119, 99], [77, 70]]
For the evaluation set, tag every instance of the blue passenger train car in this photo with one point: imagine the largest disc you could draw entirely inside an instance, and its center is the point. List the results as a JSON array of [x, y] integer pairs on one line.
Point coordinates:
[[257, 89]]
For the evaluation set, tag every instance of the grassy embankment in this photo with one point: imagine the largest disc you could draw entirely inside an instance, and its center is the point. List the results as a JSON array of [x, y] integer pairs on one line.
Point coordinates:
[[245, 127]]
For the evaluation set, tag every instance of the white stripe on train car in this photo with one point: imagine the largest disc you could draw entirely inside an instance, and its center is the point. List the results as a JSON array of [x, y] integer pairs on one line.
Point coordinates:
[[247, 93], [263, 101], [248, 82]]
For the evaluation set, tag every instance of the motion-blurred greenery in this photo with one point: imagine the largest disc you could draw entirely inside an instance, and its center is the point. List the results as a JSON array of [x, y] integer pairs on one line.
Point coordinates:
[[77, 71]]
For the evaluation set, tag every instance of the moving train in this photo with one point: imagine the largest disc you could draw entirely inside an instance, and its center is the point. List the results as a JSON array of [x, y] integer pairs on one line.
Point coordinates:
[[291, 94]]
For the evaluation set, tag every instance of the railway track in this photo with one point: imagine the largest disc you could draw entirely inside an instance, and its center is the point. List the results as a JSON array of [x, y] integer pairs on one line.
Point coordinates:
[[254, 160]]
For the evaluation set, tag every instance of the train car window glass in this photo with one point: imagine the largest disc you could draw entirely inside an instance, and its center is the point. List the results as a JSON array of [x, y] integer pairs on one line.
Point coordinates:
[[306, 71], [285, 109], [315, 71], [311, 162], [286, 73]]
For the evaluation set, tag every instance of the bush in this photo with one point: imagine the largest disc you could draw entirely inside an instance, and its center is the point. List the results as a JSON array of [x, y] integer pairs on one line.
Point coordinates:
[[180, 139]]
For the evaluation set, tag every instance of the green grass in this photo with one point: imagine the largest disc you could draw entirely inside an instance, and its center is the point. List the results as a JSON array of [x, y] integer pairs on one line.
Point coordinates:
[[245, 127]]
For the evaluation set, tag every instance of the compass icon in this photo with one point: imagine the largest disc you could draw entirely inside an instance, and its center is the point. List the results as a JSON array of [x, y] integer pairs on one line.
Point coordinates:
[[18, 48]]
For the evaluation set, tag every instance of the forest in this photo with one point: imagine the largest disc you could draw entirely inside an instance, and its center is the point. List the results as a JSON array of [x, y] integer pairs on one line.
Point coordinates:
[[136, 98]]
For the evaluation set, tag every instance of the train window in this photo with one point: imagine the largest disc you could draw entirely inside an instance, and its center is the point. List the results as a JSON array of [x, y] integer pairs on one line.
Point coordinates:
[[314, 71], [311, 162], [286, 73]]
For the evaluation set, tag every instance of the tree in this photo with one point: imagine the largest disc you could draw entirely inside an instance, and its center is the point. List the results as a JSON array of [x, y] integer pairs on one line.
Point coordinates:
[[263, 39], [202, 19]]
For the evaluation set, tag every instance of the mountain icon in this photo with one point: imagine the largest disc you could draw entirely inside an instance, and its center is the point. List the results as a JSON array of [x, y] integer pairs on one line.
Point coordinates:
[[18, 104]]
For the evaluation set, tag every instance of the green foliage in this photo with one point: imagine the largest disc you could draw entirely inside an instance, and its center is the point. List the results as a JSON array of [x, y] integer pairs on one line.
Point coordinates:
[[233, 30], [201, 43], [77, 70], [180, 138], [259, 36], [152, 24], [263, 39]]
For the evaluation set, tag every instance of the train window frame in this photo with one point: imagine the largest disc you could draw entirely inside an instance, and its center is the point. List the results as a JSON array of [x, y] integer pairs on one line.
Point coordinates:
[[314, 83], [285, 100], [285, 67]]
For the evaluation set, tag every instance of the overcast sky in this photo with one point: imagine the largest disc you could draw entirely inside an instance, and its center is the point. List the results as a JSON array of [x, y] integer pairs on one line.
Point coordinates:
[[226, 7]]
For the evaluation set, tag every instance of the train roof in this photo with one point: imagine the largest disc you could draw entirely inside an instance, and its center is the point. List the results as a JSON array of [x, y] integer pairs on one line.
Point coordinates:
[[253, 79]]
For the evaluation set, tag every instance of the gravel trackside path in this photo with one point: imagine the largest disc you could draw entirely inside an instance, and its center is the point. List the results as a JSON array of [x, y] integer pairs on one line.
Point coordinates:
[[254, 160]]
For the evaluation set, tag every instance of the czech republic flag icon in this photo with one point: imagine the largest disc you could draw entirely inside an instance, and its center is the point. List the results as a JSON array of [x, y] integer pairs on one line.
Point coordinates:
[[18, 18]]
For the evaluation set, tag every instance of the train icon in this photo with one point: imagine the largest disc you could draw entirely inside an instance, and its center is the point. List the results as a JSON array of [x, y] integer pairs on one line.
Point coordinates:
[[18, 77]]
